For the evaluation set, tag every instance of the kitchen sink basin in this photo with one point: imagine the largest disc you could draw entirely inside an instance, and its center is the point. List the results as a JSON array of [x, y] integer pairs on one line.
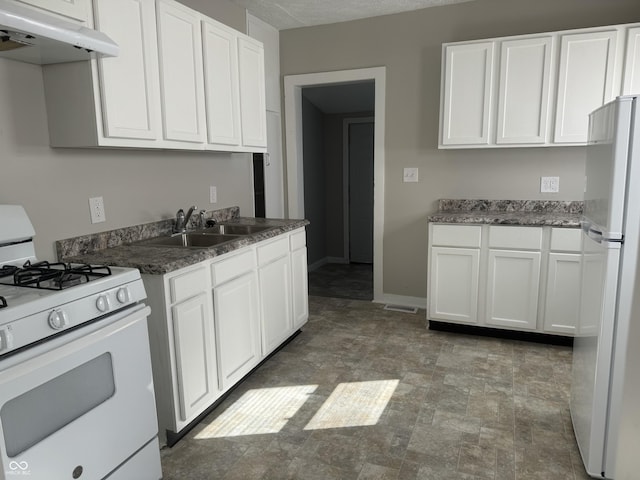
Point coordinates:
[[189, 240], [227, 229]]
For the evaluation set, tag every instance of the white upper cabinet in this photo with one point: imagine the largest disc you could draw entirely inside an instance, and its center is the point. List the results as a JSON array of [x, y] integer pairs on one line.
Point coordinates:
[[270, 38], [78, 10], [128, 83], [586, 81], [631, 83], [181, 72], [221, 83], [542, 89], [467, 78], [252, 92], [523, 95]]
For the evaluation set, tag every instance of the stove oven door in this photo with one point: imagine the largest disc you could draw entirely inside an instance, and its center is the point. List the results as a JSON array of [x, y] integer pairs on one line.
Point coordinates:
[[81, 406]]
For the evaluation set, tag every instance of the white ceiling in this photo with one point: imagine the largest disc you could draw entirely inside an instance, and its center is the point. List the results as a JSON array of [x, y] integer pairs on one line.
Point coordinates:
[[284, 14]]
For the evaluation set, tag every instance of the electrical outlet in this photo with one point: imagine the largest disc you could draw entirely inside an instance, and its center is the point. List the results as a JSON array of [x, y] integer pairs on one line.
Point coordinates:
[[213, 194], [96, 207], [549, 184], [410, 175]]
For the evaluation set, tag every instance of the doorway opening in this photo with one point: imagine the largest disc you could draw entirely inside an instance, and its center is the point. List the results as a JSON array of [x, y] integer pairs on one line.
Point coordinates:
[[335, 173]]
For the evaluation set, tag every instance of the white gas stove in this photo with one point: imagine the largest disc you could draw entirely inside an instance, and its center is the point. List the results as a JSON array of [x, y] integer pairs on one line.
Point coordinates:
[[69, 334]]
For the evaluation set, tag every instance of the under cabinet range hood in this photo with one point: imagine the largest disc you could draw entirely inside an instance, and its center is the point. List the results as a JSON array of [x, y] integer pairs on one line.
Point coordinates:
[[31, 36]]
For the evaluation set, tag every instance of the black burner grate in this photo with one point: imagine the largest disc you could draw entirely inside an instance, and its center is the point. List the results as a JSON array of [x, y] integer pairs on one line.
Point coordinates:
[[52, 276]]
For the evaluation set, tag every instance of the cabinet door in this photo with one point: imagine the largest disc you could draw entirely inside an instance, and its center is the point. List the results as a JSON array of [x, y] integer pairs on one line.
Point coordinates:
[[194, 355], [299, 287], [237, 322], [586, 81], [181, 72], [631, 83], [512, 289], [453, 284], [466, 94], [252, 93], [275, 303], [78, 10], [523, 98], [221, 84], [128, 83], [562, 305]]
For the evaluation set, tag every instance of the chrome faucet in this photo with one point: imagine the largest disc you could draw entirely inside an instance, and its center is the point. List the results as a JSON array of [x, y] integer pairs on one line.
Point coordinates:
[[182, 220]]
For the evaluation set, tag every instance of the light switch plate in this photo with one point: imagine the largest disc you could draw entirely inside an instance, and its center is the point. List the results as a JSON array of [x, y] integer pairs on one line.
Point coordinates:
[[96, 207], [410, 175], [549, 184], [213, 194]]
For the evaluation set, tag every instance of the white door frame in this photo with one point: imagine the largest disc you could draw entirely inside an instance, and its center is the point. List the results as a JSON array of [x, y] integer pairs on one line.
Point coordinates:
[[346, 179], [293, 85]]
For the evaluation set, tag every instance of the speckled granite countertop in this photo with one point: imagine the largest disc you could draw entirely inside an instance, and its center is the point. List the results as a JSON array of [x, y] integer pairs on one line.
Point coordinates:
[[116, 247], [509, 212]]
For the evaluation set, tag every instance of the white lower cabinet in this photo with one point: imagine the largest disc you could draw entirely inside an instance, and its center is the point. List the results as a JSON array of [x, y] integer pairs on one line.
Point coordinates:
[[275, 294], [506, 277], [213, 322], [237, 321], [512, 289], [562, 301], [194, 342], [454, 284]]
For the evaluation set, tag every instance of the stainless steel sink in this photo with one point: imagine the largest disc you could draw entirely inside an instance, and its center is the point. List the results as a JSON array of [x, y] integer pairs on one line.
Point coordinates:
[[189, 240], [232, 229]]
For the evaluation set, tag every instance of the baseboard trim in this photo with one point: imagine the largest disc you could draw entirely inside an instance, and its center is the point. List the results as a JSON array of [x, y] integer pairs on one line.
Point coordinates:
[[404, 300], [316, 265]]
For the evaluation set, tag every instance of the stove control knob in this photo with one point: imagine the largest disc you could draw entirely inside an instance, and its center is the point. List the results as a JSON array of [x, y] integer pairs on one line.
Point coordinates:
[[102, 303], [58, 319], [123, 295]]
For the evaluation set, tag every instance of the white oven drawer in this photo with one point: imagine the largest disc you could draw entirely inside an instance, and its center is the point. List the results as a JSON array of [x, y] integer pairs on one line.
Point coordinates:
[[82, 401]]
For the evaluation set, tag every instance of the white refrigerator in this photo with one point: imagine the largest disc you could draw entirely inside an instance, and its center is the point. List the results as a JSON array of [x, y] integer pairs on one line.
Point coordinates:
[[611, 237]]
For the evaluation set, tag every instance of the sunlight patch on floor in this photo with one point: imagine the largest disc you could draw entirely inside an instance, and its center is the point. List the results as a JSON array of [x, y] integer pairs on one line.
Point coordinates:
[[260, 411], [354, 404]]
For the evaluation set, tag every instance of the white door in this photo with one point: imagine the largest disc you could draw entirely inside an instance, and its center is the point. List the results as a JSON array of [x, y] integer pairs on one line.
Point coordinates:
[[562, 305], [181, 72], [361, 192], [512, 289], [237, 321], [453, 284], [586, 81], [275, 303], [631, 83], [195, 358], [221, 84], [466, 94], [128, 83], [523, 97], [252, 93]]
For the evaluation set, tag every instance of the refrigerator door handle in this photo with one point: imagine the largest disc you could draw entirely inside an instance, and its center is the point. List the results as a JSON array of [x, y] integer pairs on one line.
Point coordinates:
[[595, 235]]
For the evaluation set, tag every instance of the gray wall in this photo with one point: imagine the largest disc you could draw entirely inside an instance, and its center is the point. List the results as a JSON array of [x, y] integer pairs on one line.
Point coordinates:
[[54, 185], [314, 181], [409, 45]]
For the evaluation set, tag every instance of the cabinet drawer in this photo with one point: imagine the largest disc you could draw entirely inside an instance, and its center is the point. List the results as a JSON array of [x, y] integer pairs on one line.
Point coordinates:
[[566, 239], [518, 238], [298, 240], [276, 249], [187, 284], [456, 235], [235, 266]]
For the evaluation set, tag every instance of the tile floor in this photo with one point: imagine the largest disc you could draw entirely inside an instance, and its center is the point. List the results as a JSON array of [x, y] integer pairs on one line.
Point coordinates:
[[339, 280], [428, 405]]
